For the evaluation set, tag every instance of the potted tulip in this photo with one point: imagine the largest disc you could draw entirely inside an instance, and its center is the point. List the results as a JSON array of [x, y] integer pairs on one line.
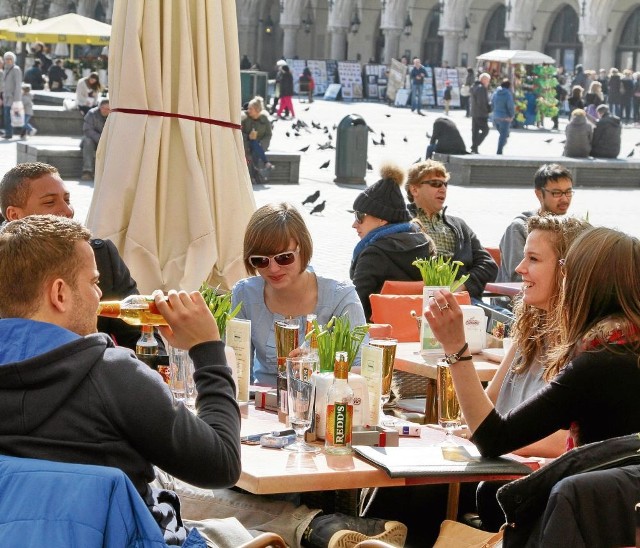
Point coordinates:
[[437, 273]]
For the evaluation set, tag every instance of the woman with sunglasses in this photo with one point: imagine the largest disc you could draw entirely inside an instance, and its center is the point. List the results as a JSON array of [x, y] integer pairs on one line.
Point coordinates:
[[593, 374], [278, 248], [389, 241]]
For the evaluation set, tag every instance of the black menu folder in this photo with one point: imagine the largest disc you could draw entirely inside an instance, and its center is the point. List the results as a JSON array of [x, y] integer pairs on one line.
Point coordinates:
[[437, 460]]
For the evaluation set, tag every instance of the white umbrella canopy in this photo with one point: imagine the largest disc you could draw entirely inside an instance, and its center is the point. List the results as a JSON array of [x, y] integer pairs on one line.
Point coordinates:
[[10, 25], [174, 194], [516, 56], [70, 28]]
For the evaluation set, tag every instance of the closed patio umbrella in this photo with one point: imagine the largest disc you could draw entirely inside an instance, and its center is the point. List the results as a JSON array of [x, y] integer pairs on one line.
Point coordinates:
[[172, 188]]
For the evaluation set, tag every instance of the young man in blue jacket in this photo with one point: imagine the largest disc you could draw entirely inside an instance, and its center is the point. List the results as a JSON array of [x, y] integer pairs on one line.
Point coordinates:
[[504, 110]]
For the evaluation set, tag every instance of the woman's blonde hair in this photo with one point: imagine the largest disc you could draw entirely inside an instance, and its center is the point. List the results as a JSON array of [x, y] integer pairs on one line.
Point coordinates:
[[270, 231], [535, 330], [596, 88], [578, 112], [257, 102], [602, 279]]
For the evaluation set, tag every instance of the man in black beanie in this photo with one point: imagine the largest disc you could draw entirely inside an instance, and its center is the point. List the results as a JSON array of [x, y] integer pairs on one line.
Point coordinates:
[[389, 240]]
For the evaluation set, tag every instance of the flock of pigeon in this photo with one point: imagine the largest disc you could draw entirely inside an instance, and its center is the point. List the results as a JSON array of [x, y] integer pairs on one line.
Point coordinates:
[[300, 126]]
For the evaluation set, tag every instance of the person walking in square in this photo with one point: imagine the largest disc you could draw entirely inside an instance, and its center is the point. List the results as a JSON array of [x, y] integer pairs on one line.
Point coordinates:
[[418, 75], [286, 91], [27, 102], [12, 91], [504, 109], [480, 109]]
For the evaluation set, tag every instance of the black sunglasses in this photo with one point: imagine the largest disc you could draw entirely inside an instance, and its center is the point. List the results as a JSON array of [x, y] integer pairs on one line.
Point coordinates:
[[359, 216], [435, 183], [282, 259]]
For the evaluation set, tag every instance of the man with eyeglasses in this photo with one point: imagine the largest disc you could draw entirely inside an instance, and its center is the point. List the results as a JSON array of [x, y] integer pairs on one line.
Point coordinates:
[[426, 189], [554, 189]]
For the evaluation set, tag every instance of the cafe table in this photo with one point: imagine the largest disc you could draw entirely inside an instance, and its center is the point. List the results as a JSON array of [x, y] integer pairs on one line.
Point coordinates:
[[270, 471], [409, 360]]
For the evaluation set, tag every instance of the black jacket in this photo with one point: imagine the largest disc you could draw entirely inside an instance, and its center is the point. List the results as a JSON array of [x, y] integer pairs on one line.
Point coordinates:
[[480, 106], [448, 138], [389, 258], [286, 85], [475, 259], [606, 137]]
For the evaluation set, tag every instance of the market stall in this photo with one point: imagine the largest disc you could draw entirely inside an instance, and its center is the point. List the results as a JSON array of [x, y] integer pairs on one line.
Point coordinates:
[[533, 79]]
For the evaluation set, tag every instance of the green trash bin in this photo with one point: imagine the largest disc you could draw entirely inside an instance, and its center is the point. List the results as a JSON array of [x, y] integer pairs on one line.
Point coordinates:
[[351, 150], [252, 83]]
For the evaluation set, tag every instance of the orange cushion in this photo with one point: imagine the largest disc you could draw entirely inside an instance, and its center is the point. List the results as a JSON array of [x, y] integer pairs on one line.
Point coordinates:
[[380, 330], [396, 310], [396, 287], [495, 253]]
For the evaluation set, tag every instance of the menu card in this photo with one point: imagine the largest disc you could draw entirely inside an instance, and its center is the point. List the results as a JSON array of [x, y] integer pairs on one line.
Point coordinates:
[[238, 337], [439, 460]]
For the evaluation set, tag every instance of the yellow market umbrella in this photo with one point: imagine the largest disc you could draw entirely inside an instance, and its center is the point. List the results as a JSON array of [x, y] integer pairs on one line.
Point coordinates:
[[10, 25], [70, 28], [172, 188]]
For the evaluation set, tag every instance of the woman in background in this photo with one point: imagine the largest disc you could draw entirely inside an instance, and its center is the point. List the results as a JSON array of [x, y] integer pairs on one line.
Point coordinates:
[[389, 240], [88, 92], [286, 91]]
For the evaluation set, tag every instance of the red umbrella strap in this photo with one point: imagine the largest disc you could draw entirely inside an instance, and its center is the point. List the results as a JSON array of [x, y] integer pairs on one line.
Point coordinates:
[[174, 115]]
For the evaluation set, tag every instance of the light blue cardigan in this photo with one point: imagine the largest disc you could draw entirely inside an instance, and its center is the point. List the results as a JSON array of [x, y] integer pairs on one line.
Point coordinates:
[[335, 298]]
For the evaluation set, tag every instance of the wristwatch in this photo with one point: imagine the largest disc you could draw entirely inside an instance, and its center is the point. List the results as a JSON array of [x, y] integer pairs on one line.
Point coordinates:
[[458, 357]]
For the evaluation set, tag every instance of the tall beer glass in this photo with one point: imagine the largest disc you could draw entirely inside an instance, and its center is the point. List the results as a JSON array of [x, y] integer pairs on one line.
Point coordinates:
[[388, 346], [287, 333], [449, 416]]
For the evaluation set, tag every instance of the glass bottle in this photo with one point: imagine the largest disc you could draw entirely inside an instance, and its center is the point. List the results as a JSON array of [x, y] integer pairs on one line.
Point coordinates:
[[134, 310], [339, 409], [147, 346]]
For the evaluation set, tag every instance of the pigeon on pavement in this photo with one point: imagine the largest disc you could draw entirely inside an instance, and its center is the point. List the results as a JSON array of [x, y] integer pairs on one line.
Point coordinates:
[[319, 208], [311, 198]]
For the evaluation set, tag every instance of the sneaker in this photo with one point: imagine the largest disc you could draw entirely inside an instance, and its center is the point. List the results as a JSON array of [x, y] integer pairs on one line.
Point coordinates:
[[33, 131], [342, 531], [86, 176]]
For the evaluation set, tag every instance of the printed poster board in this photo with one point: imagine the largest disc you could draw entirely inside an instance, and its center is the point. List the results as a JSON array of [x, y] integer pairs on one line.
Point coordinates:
[[397, 79], [441, 76], [350, 74], [319, 72]]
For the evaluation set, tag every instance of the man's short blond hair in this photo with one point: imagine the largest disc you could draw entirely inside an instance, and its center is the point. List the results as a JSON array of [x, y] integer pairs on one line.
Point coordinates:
[[417, 172], [34, 251]]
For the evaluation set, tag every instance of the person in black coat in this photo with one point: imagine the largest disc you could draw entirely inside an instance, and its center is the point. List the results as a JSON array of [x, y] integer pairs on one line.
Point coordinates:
[[606, 135], [445, 138], [389, 241], [21, 191], [57, 76], [286, 91]]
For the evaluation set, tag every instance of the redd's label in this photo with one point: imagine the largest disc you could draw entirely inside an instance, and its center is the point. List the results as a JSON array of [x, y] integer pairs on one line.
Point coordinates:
[[339, 423]]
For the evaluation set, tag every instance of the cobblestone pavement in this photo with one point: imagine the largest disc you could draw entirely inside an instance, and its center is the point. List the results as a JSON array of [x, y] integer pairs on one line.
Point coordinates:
[[487, 210]]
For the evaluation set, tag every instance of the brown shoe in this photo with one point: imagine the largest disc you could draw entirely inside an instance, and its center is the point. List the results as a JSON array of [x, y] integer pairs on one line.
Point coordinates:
[[86, 176]]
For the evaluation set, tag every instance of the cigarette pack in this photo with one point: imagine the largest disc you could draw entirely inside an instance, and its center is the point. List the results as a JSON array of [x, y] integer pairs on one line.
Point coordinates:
[[376, 436], [267, 399]]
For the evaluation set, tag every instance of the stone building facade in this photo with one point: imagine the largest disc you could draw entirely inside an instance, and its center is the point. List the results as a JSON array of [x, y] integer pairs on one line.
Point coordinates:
[[596, 33]]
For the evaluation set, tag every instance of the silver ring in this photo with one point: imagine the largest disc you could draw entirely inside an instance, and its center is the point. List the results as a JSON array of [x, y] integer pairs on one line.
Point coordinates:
[[444, 307]]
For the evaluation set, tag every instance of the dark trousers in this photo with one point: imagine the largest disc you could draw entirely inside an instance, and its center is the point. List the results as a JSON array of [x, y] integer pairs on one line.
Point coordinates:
[[479, 132]]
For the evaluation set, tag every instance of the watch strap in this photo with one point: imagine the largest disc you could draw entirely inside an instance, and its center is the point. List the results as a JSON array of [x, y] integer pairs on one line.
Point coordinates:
[[458, 357]]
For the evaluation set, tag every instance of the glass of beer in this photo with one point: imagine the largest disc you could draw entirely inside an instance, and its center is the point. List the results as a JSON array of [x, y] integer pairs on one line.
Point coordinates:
[[287, 332], [449, 416], [388, 346]]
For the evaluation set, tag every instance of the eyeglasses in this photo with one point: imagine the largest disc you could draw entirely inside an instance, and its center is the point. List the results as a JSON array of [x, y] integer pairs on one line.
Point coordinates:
[[435, 183], [281, 259], [558, 193], [359, 216]]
